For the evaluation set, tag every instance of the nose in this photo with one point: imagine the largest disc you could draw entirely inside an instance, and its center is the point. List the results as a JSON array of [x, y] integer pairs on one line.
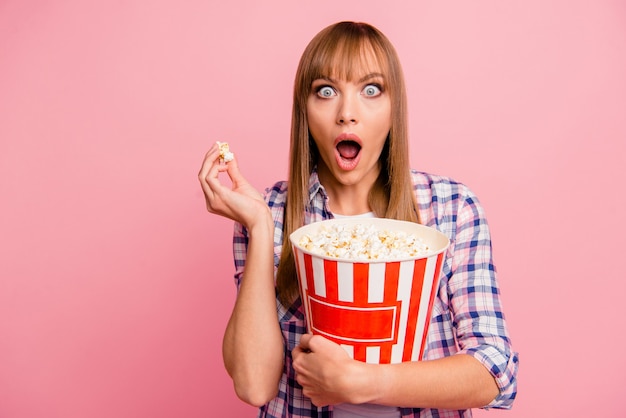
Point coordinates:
[[347, 111]]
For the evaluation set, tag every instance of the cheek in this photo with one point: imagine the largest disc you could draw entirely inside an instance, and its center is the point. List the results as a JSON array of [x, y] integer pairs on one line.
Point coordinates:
[[380, 115], [387, 119], [318, 120], [312, 115], [383, 122]]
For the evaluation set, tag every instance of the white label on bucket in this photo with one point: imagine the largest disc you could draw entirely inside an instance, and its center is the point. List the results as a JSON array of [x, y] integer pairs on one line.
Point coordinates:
[[429, 276], [349, 349], [319, 278], [304, 289], [301, 269], [376, 283], [345, 289], [372, 355]]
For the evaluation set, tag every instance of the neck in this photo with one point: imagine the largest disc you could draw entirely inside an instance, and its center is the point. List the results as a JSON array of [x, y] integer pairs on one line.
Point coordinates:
[[347, 208], [347, 200]]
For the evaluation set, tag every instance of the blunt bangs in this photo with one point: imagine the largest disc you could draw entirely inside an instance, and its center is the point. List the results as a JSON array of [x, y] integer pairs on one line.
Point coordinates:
[[346, 52], [350, 61]]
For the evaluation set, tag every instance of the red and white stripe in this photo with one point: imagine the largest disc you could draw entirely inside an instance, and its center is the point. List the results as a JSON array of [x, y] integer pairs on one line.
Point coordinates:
[[379, 312]]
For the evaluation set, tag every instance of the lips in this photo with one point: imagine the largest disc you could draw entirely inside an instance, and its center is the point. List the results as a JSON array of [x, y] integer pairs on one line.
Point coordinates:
[[347, 151]]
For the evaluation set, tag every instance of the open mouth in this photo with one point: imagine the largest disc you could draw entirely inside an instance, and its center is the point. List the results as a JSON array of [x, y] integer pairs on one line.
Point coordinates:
[[348, 149]]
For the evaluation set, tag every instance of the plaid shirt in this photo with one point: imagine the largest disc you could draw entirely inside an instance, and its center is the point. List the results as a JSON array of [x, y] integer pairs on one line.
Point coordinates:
[[467, 315]]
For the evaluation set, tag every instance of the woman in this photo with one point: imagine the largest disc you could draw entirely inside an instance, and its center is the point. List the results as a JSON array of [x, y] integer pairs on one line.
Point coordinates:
[[349, 157]]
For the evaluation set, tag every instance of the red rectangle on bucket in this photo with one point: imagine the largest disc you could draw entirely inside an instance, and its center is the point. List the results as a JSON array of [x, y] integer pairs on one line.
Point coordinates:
[[374, 323]]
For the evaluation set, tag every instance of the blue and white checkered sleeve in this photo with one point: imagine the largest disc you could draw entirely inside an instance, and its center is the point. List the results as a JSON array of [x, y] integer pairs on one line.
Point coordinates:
[[475, 297], [240, 250], [275, 198]]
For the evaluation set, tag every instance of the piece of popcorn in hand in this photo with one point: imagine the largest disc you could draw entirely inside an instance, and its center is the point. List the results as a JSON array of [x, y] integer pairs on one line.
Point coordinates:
[[225, 154]]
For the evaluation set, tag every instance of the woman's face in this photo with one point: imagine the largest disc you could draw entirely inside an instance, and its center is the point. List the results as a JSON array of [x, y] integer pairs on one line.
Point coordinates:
[[349, 121]]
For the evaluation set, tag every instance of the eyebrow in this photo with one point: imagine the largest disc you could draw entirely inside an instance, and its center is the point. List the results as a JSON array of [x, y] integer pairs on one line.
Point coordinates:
[[361, 80], [370, 76]]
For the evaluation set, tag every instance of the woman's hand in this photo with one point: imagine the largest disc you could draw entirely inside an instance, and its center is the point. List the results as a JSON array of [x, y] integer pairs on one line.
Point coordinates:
[[241, 202], [327, 374]]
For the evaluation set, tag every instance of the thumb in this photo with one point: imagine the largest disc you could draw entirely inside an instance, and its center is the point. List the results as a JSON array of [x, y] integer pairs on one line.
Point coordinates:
[[305, 342], [232, 168]]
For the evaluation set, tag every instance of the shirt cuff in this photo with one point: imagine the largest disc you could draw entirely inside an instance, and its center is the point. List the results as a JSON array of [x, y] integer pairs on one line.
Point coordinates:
[[503, 366]]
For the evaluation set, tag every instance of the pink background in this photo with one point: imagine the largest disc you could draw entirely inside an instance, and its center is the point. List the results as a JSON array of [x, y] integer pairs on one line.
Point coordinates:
[[115, 284]]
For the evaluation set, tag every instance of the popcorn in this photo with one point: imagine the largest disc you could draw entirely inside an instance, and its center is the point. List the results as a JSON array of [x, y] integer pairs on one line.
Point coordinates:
[[363, 242], [225, 154]]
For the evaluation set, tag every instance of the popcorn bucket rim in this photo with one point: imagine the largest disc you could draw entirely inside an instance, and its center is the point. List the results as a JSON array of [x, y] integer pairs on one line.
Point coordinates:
[[435, 238]]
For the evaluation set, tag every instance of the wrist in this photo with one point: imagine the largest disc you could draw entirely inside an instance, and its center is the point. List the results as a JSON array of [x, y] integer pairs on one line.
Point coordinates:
[[379, 381], [370, 382], [261, 225]]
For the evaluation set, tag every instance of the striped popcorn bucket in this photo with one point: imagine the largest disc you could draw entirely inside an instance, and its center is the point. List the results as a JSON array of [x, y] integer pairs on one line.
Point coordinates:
[[378, 311]]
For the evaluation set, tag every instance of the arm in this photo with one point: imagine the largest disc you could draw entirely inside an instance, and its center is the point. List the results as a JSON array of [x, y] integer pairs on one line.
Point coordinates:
[[253, 345], [329, 376]]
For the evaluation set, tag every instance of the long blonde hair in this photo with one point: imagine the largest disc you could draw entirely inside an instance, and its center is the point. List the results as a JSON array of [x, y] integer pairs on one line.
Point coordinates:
[[340, 50]]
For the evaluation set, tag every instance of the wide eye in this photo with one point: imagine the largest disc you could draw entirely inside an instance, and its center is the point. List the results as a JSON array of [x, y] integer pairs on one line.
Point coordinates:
[[372, 90], [325, 91]]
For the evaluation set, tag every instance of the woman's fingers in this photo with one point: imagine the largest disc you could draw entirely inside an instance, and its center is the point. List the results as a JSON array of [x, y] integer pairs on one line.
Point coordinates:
[[304, 342], [239, 201], [232, 168], [207, 164], [323, 369], [209, 180]]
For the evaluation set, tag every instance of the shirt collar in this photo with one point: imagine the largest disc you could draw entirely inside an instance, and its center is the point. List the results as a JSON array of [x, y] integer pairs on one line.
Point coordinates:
[[315, 186]]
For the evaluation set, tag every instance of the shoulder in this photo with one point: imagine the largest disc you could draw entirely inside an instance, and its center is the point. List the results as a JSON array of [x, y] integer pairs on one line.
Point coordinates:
[[276, 195], [437, 188], [276, 198], [443, 201]]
